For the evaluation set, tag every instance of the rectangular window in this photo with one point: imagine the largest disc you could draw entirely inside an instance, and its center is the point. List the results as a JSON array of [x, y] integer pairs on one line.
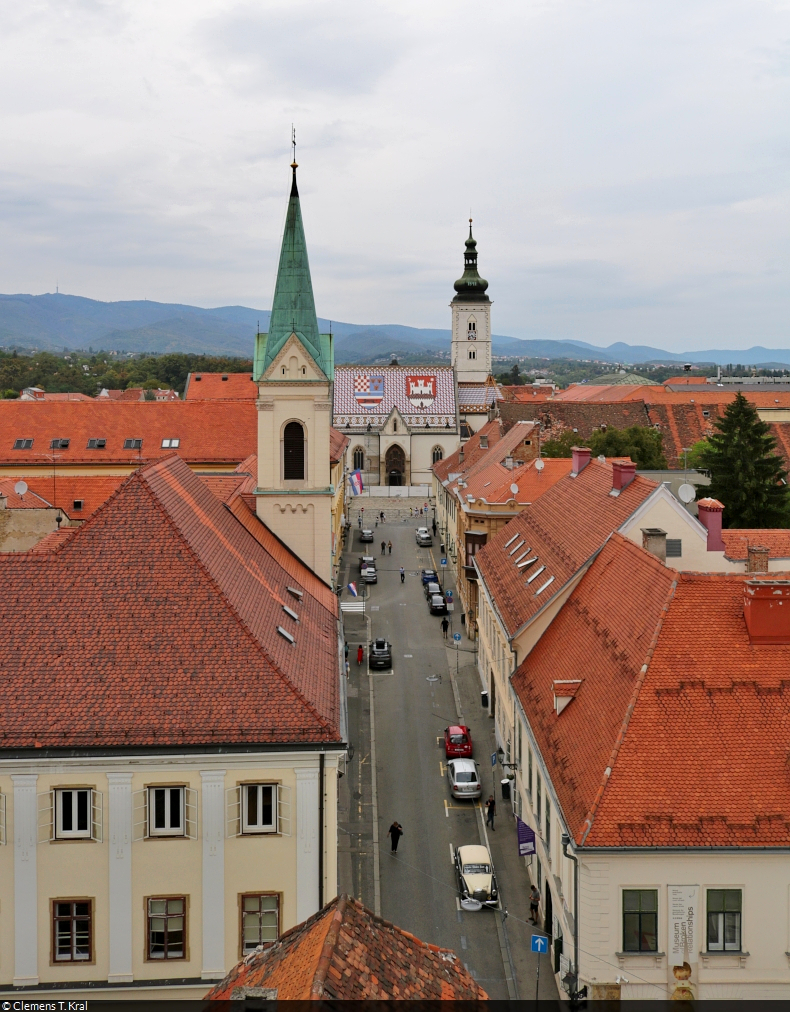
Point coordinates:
[[171, 443], [548, 826], [166, 811], [132, 444], [258, 803], [73, 814], [674, 548], [529, 773], [59, 444], [167, 927], [724, 920], [97, 444], [537, 793], [71, 931], [78, 504], [23, 444], [640, 920], [260, 920]]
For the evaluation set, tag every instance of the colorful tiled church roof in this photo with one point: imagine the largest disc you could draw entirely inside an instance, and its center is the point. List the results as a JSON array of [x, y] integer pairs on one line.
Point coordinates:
[[346, 952]]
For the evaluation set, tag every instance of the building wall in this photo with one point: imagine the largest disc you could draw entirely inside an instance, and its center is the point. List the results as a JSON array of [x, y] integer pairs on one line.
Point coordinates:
[[215, 866], [21, 529], [338, 480], [466, 370], [672, 517]]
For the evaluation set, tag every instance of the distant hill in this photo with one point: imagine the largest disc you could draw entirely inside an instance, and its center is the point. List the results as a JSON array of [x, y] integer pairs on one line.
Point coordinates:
[[54, 322]]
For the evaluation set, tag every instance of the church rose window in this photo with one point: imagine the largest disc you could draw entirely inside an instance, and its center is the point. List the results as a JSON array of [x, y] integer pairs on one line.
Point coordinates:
[[293, 452]]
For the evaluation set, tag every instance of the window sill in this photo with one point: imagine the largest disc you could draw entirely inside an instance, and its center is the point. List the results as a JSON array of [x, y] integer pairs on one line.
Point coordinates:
[[623, 957], [735, 956]]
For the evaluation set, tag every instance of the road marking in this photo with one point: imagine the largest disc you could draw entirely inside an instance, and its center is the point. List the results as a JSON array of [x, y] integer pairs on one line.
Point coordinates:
[[452, 858], [463, 941], [446, 809], [458, 906], [375, 607], [409, 656], [441, 768]]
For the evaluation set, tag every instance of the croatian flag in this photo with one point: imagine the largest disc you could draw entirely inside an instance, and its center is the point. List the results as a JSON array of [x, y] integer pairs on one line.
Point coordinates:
[[355, 481], [353, 588]]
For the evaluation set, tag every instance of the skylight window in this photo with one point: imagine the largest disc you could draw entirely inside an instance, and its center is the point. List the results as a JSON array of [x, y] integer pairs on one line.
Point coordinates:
[[97, 444], [132, 444], [286, 634], [536, 574], [516, 548], [522, 556], [298, 594], [170, 443], [78, 504], [291, 612], [543, 587], [509, 543], [59, 444], [527, 562], [23, 444]]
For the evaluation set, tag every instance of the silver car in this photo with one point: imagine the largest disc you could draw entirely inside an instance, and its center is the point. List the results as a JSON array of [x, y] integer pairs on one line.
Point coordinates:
[[423, 536], [463, 778]]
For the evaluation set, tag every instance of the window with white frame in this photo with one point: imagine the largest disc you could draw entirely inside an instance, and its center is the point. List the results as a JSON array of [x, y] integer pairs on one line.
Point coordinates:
[[73, 814], [166, 813], [260, 920], [172, 444], [724, 920], [259, 808]]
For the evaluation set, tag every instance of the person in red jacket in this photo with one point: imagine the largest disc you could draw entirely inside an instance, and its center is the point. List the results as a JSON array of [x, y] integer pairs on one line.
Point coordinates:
[[360, 655]]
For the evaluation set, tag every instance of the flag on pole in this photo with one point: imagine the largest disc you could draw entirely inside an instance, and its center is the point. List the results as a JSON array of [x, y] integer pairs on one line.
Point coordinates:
[[353, 588], [355, 481]]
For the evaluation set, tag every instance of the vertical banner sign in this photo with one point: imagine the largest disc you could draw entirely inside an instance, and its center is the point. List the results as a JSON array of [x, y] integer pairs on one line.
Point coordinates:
[[684, 939], [526, 838]]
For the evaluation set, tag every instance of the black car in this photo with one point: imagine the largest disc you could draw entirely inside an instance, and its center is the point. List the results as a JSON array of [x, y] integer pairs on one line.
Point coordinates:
[[365, 535], [380, 654], [429, 576], [438, 605]]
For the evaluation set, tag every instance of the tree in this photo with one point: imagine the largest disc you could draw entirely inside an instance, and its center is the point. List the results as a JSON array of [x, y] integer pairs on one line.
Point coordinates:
[[642, 444], [745, 473]]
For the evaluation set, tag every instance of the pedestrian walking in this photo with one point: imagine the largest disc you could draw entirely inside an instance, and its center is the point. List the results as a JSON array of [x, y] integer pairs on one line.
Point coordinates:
[[434, 528], [346, 651], [377, 522], [389, 547], [395, 832], [348, 670], [382, 516], [383, 547], [534, 903], [411, 511], [360, 655], [402, 575], [359, 521], [445, 626], [490, 812]]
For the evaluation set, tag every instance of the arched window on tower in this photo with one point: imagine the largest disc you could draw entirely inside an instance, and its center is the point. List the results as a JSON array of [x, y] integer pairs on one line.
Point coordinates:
[[359, 458], [472, 353], [293, 452], [437, 454]]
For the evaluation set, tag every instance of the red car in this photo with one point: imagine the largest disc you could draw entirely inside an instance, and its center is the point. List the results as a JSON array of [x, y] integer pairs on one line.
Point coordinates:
[[457, 742]]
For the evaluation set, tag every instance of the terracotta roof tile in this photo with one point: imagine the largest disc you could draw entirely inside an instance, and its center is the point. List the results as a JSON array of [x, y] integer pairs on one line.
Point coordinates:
[[561, 532], [337, 445], [237, 386], [736, 542], [471, 449], [165, 595], [345, 952], [62, 491]]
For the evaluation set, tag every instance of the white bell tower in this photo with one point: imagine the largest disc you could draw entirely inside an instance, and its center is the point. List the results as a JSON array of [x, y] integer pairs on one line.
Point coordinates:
[[471, 328]]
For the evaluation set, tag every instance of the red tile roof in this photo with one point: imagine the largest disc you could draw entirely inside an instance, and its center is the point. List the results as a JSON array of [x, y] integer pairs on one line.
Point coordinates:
[[527, 393], [493, 482], [27, 501], [737, 541], [345, 952], [677, 734], [37, 394], [62, 491], [210, 386], [209, 432], [561, 531], [471, 449], [164, 596], [337, 445]]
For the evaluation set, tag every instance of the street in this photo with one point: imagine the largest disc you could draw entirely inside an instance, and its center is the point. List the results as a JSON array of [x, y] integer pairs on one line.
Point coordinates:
[[398, 774]]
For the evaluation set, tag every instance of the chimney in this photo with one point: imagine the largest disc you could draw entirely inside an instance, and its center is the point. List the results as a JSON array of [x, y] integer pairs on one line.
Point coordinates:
[[460, 456], [757, 559], [484, 442], [766, 610], [509, 463], [581, 458], [654, 540], [710, 511], [623, 472]]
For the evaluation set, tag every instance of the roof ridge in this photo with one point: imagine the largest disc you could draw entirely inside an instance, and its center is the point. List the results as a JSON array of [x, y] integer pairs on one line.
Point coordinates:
[[328, 948], [323, 722], [588, 822]]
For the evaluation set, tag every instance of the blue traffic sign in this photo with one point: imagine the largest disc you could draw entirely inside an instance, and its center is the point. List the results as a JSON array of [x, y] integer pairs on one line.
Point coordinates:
[[444, 562], [493, 758], [540, 943], [457, 637]]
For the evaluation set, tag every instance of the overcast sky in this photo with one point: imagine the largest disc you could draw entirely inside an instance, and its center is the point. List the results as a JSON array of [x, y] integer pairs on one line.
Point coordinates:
[[626, 163]]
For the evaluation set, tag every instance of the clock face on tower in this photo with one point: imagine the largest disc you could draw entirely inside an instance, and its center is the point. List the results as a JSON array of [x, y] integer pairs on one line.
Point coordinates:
[[471, 330]]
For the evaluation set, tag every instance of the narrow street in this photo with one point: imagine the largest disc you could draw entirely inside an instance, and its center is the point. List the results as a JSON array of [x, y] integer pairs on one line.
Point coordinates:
[[397, 773]]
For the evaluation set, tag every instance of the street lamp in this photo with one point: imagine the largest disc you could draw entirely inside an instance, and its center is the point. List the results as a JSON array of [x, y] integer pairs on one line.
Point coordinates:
[[509, 766]]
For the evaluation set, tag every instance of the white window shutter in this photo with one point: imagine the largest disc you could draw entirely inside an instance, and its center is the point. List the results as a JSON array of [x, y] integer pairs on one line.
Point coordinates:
[[97, 816], [191, 816], [233, 812], [140, 814], [3, 837], [283, 810], [46, 817]]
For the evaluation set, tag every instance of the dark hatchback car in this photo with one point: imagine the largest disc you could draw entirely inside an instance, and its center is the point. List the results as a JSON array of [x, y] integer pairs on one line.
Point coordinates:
[[380, 654], [438, 605]]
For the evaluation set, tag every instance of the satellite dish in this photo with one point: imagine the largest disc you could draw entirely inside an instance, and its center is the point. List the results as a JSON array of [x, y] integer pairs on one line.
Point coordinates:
[[539, 464], [687, 493], [514, 488], [471, 904], [20, 488]]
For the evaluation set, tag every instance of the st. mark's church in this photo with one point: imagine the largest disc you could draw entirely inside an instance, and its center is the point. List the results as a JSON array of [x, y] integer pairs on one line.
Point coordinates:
[[397, 420]]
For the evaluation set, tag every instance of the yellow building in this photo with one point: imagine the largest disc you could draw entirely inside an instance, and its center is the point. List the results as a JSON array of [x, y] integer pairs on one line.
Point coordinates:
[[168, 770]]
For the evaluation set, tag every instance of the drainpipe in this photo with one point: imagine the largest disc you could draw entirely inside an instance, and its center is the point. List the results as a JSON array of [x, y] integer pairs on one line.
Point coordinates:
[[565, 842], [321, 831]]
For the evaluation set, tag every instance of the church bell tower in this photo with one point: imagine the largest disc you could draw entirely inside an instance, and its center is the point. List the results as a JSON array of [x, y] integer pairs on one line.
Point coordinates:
[[471, 308], [294, 370]]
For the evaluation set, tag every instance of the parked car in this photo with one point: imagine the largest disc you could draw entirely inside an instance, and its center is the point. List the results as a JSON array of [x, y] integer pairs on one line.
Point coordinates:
[[429, 576], [438, 605], [423, 536], [458, 742], [369, 575], [380, 654], [463, 778], [431, 589], [475, 874], [365, 535], [366, 562]]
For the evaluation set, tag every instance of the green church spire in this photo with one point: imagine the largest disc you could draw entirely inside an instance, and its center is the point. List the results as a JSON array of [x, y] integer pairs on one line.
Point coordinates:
[[293, 307], [470, 286]]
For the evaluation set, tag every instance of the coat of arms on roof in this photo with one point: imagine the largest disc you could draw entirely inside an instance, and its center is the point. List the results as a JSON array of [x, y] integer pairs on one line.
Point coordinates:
[[421, 390], [368, 390]]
